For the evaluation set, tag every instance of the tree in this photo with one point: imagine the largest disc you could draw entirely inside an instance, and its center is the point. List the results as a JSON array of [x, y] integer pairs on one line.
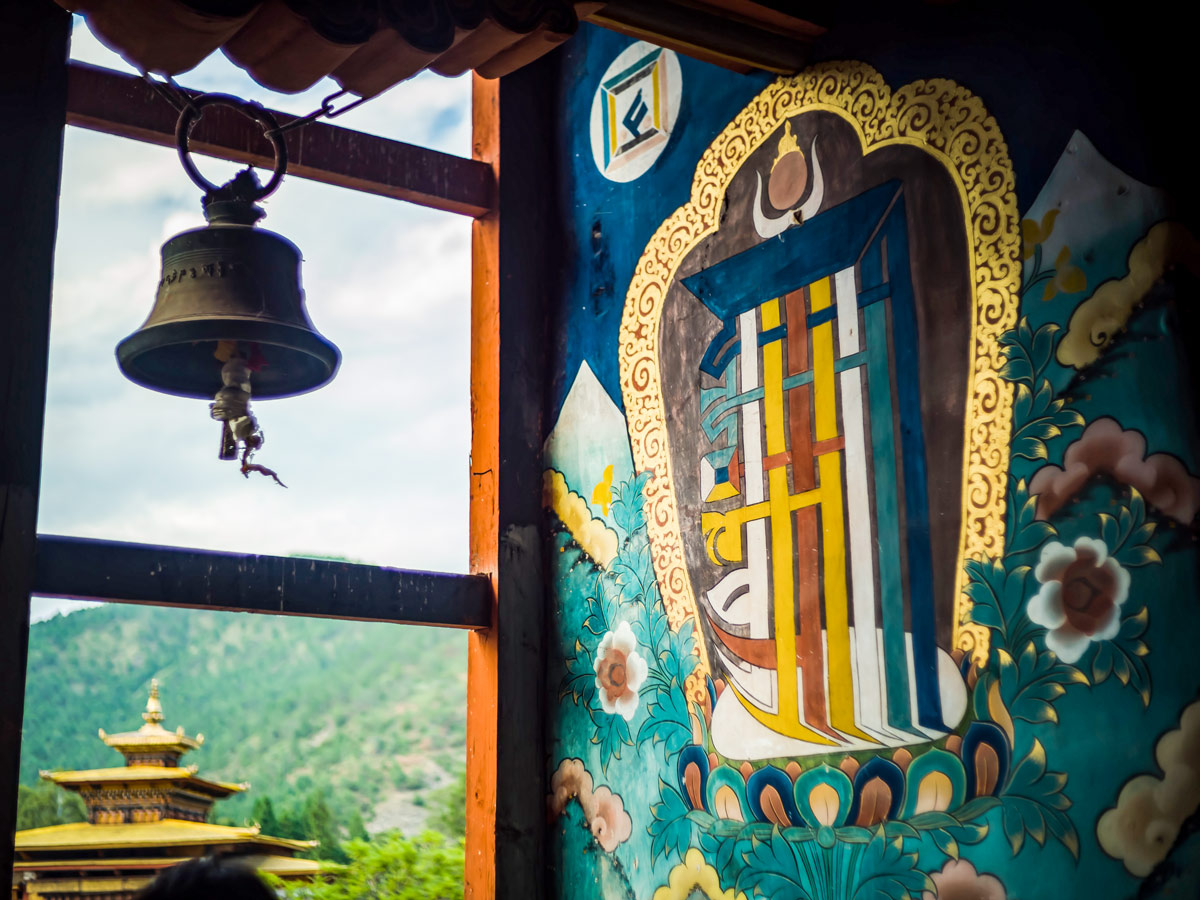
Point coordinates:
[[319, 825], [450, 808], [356, 828], [264, 814], [392, 867], [47, 804]]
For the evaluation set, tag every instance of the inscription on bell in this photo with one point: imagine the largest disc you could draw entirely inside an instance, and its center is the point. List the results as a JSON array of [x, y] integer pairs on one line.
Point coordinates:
[[218, 269]]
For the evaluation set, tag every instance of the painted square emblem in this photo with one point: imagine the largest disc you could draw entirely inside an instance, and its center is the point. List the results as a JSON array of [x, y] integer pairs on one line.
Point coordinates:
[[633, 111]]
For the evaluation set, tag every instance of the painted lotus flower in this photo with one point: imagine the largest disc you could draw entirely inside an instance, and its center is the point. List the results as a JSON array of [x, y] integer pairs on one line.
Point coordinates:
[[619, 672], [1081, 596]]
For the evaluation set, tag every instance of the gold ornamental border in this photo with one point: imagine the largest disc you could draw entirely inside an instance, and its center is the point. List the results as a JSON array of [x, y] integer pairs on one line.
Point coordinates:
[[951, 124]]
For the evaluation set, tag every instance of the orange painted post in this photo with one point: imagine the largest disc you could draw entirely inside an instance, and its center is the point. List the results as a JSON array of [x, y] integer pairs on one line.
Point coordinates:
[[482, 656]]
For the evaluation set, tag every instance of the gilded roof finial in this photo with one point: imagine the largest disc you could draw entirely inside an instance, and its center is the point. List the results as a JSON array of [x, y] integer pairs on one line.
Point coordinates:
[[153, 714], [787, 144], [151, 738]]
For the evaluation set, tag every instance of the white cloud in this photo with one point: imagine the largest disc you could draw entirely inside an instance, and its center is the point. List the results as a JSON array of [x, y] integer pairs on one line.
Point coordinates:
[[376, 462]]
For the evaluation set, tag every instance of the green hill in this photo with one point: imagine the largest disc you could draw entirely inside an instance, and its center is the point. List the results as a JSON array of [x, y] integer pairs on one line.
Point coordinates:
[[372, 714]]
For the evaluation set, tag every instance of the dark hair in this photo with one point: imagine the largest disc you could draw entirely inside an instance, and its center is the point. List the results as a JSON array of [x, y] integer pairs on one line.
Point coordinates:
[[207, 878]]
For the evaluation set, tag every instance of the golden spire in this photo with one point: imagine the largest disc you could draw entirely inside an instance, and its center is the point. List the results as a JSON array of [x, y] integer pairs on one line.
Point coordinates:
[[152, 741], [787, 144], [153, 714]]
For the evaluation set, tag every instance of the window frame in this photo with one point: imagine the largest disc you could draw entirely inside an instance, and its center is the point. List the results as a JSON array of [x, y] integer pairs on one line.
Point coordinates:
[[505, 741]]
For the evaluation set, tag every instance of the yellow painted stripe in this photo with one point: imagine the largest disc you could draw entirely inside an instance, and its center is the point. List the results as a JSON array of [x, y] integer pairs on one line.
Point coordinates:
[[784, 592], [820, 295], [722, 491], [612, 125], [782, 542], [772, 358], [659, 71], [806, 498], [833, 537], [824, 392], [837, 602]]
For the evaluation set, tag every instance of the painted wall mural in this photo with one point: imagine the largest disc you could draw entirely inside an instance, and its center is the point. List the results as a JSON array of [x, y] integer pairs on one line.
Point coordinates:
[[872, 527]]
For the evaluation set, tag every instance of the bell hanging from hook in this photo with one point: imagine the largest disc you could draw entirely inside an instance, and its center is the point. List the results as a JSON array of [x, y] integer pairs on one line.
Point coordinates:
[[229, 316]]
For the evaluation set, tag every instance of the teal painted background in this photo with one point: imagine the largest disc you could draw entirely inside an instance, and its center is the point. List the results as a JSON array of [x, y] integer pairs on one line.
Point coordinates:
[[1099, 756]]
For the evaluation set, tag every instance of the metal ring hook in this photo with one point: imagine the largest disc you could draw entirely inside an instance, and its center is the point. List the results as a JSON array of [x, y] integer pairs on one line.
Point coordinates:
[[192, 113]]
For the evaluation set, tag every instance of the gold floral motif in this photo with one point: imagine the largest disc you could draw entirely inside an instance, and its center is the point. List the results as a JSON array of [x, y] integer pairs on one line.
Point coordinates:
[[951, 124]]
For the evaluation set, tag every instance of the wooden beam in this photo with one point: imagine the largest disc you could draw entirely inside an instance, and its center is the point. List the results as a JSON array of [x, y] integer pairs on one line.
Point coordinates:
[[710, 36], [279, 585], [126, 106], [33, 70]]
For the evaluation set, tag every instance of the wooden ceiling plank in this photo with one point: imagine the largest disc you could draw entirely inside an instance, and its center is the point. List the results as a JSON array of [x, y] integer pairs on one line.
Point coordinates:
[[748, 11], [126, 106], [709, 36]]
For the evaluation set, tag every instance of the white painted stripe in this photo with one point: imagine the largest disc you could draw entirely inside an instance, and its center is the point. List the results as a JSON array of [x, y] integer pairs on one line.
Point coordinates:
[[751, 412], [719, 594], [847, 312], [863, 693], [896, 736], [862, 558], [759, 608]]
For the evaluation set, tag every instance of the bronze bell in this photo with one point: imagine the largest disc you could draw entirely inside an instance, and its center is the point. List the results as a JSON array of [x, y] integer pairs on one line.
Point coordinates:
[[229, 288]]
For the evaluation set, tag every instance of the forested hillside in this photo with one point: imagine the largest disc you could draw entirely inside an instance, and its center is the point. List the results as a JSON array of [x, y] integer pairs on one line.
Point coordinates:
[[372, 715]]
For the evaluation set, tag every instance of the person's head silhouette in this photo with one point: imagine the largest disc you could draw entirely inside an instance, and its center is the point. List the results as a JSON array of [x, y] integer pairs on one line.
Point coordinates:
[[207, 878]]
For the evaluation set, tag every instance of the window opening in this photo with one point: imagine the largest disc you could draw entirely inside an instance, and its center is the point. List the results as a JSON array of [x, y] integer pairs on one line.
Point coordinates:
[[310, 729], [388, 282], [385, 288]]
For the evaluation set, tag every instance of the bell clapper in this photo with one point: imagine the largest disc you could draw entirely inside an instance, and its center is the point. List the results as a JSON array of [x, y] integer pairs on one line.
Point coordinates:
[[231, 407]]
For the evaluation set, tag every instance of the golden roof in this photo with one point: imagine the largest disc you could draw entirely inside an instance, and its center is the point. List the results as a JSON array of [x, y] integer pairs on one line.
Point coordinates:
[[152, 735], [163, 833], [281, 866], [291, 866], [120, 774]]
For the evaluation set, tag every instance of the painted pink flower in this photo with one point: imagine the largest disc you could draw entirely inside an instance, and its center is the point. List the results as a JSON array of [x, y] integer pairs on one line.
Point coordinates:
[[609, 822], [958, 880], [603, 810], [1081, 596], [619, 672]]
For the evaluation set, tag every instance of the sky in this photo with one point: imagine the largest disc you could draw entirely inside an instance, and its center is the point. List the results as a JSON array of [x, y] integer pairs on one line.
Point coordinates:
[[376, 462]]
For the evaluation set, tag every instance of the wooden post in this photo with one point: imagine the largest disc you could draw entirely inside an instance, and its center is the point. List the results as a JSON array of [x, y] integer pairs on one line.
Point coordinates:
[[514, 258], [484, 523], [33, 79]]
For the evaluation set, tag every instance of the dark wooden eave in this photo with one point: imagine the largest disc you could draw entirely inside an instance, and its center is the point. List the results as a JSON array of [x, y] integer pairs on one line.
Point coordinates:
[[366, 46]]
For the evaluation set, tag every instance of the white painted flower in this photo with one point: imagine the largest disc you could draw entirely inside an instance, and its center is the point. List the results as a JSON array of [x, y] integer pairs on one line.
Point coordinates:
[[619, 672], [1081, 596]]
